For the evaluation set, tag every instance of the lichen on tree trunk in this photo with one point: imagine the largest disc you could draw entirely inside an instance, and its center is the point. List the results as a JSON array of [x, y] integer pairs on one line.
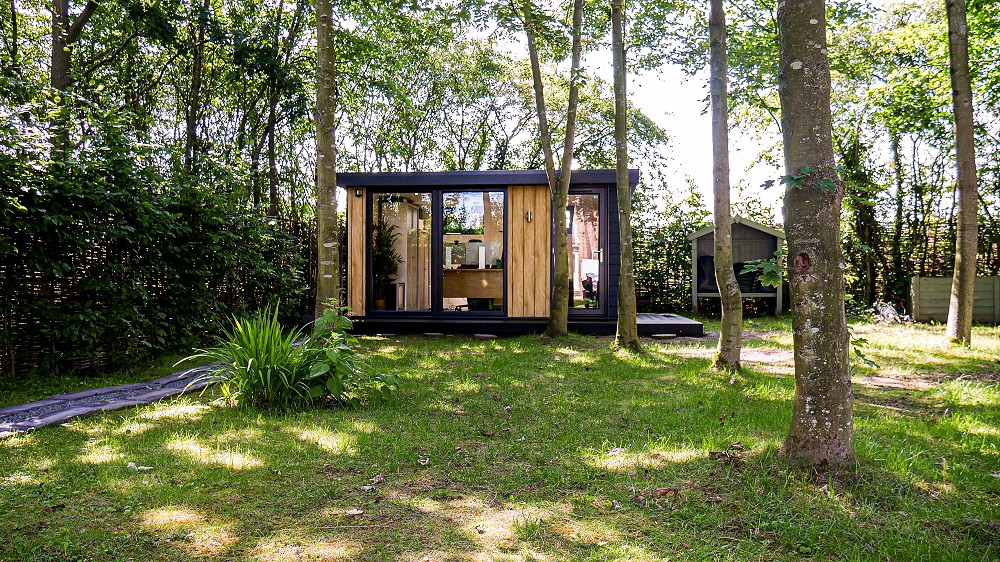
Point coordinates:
[[328, 231], [627, 336], [822, 427], [727, 354]]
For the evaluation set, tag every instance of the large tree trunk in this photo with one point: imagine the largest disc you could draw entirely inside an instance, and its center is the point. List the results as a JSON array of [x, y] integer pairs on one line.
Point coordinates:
[[558, 185], [727, 353], [628, 332], [328, 232], [822, 428], [963, 282]]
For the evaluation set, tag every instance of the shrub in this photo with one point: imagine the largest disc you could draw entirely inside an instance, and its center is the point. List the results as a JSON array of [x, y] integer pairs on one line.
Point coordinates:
[[262, 364]]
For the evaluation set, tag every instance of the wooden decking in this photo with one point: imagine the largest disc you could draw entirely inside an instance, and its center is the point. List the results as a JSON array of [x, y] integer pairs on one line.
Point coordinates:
[[650, 324]]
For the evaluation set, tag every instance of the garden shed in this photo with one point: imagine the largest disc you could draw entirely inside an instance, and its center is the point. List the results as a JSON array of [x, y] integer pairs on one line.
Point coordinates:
[[751, 241], [471, 251]]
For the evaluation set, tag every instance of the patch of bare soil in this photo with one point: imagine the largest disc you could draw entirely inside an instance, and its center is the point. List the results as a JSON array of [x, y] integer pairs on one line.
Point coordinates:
[[901, 382]]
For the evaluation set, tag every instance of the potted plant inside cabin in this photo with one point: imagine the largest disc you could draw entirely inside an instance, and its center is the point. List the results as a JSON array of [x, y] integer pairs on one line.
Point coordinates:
[[385, 260]]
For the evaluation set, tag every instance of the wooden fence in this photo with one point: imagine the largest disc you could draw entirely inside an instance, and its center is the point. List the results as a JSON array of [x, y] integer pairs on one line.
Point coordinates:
[[930, 297]]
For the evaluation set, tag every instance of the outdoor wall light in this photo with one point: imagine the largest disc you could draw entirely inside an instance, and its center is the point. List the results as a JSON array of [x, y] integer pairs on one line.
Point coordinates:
[[527, 216], [357, 192]]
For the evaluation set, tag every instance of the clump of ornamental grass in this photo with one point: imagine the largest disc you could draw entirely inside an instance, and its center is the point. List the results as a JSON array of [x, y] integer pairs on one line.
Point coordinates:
[[259, 363]]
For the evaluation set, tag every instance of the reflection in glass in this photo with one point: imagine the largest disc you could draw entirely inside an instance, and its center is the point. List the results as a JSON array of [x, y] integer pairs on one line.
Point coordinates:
[[401, 251], [585, 253], [473, 251]]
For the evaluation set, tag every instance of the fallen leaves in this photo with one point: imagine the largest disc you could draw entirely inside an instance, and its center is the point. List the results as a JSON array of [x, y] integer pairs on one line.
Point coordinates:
[[734, 451], [673, 497]]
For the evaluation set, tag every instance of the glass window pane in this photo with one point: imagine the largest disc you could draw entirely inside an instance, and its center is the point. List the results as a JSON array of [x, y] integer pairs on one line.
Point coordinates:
[[585, 254], [401, 251], [473, 251]]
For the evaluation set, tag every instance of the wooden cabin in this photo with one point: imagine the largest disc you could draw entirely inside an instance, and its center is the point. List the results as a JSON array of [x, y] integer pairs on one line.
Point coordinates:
[[465, 252], [751, 241]]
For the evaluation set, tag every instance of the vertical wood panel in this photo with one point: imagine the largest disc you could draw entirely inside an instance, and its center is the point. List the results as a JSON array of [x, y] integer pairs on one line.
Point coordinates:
[[528, 251], [356, 241]]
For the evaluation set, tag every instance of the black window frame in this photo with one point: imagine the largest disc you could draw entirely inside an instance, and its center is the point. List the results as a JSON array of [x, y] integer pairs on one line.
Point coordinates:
[[437, 251]]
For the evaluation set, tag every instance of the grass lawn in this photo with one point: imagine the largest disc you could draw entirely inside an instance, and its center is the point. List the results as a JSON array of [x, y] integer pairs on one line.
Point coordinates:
[[514, 450]]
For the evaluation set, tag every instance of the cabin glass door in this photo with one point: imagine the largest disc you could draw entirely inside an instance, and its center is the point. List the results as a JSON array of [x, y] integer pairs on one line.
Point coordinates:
[[587, 264], [472, 252]]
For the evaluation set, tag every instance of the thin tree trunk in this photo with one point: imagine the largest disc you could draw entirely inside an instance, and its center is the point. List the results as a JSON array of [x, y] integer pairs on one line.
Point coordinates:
[[328, 230], [628, 332], [898, 295], [255, 191], [59, 76], [12, 47], [272, 164], [194, 103], [727, 353], [64, 36], [558, 185], [963, 283], [822, 427]]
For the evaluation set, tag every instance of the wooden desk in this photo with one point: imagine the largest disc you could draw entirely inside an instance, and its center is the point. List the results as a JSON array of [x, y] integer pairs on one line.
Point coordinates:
[[473, 283]]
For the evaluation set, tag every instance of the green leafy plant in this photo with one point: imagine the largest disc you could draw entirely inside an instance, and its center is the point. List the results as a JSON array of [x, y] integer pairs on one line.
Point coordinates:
[[259, 363], [769, 270]]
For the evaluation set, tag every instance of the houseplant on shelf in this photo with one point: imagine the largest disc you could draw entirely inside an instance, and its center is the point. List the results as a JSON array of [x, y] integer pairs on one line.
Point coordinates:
[[385, 260]]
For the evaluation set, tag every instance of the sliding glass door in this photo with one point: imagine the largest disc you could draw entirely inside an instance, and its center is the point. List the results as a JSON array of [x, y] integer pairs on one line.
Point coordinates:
[[437, 252], [400, 262]]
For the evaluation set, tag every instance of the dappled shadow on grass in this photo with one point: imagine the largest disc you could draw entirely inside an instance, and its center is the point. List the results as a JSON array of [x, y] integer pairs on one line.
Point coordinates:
[[489, 454]]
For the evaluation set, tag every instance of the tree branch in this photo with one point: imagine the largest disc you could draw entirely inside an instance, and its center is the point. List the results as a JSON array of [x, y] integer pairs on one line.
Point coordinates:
[[73, 33], [96, 62]]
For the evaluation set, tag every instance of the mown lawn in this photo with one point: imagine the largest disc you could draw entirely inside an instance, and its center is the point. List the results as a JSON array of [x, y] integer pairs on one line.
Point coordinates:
[[514, 450]]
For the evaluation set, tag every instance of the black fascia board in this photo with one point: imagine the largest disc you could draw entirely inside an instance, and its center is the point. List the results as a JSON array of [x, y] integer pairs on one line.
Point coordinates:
[[470, 178]]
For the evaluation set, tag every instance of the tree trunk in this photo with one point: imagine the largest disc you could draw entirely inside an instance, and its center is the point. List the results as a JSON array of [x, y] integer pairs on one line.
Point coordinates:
[[194, 102], [272, 164], [822, 428], [12, 47], [898, 284], [963, 282], [727, 353], [558, 186], [64, 36], [628, 332], [328, 231], [59, 76]]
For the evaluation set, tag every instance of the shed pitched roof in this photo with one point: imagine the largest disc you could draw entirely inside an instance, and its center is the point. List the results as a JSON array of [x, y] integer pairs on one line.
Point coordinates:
[[739, 220]]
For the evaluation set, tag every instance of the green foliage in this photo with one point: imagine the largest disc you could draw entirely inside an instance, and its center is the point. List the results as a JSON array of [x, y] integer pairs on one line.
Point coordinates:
[[769, 270], [103, 260], [261, 364]]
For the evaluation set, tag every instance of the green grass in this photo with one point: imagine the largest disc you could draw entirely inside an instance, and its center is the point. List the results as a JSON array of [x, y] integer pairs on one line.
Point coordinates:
[[514, 450]]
